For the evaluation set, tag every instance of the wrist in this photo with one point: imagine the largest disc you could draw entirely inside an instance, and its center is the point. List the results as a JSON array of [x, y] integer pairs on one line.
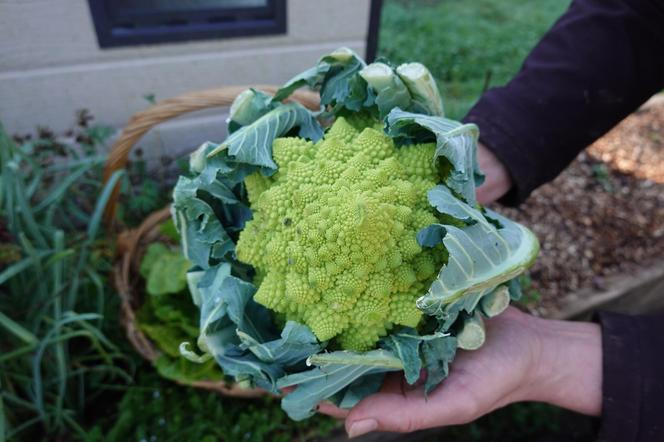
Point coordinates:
[[498, 180], [567, 369]]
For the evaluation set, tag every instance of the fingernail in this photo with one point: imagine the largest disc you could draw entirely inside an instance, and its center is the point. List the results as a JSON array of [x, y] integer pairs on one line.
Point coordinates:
[[361, 427]]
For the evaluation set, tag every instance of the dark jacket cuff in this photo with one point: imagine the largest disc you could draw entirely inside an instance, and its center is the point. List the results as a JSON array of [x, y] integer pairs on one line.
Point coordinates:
[[632, 378]]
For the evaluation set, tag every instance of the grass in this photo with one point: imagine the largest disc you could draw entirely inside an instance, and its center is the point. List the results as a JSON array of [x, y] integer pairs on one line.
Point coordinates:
[[467, 45]]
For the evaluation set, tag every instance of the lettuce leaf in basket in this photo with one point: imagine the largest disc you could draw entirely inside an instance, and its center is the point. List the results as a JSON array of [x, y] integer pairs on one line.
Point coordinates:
[[168, 320], [483, 251], [168, 315], [164, 270]]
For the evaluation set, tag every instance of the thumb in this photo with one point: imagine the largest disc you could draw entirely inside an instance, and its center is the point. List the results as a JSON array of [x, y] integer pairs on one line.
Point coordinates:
[[387, 412]]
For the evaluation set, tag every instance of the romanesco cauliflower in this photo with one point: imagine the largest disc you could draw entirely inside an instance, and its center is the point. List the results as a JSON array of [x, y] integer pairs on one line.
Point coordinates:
[[333, 237]]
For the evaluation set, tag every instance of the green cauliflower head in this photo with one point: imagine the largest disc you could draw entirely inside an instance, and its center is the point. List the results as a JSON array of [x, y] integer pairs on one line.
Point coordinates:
[[333, 234]]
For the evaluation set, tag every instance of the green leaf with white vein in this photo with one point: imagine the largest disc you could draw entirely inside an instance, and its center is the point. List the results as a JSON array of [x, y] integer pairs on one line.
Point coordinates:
[[297, 342], [252, 144], [481, 256], [314, 386], [202, 235], [335, 372], [248, 107], [335, 76]]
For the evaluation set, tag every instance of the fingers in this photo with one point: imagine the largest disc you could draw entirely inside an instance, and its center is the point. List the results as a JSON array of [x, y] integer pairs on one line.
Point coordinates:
[[332, 410], [398, 407], [394, 383], [388, 411], [405, 409]]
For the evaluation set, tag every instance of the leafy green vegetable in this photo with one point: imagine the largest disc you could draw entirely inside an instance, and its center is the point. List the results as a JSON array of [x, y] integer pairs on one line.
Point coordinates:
[[185, 372], [422, 87], [168, 229], [248, 107], [168, 316], [232, 199], [335, 76], [322, 382], [481, 256], [239, 333], [168, 320], [252, 144], [409, 87], [389, 88], [164, 270]]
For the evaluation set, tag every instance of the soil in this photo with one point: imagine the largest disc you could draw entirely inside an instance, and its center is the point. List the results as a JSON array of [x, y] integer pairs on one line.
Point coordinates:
[[603, 216]]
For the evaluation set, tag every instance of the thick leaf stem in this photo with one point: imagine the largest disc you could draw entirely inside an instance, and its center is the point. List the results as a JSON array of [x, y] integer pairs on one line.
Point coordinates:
[[495, 302], [472, 334]]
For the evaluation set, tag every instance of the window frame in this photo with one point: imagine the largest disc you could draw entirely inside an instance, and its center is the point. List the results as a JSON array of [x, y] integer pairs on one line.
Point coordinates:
[[154, 27]]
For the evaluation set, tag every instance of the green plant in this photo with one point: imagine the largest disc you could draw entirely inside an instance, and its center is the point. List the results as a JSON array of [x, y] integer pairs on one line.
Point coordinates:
[[530, 294], [602, 175], [333, 213], [142, 190], [56, 358], [161, 411], [168, 315]]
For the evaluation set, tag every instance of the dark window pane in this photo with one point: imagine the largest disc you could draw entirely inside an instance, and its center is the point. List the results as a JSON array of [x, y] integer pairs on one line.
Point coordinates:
[[122, 7], [127, 22]]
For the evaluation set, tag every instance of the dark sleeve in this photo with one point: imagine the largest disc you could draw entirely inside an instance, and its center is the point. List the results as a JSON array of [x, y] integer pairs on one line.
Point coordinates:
[[633, 378], [597, 64]]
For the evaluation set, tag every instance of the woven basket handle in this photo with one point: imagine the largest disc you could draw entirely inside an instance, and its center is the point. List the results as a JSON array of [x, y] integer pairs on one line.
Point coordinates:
[[170, 108]]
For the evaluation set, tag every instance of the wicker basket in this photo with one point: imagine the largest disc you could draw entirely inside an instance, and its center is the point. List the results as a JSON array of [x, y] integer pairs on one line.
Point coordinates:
[[133, 243]]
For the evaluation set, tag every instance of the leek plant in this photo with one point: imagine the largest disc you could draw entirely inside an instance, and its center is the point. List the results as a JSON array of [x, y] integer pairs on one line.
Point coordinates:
[[53, 293]]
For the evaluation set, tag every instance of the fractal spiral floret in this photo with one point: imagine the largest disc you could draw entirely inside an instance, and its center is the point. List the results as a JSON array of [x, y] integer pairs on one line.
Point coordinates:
[[333, 234]]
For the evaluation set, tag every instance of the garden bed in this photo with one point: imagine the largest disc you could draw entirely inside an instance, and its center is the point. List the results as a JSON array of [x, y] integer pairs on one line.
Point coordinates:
[[601, 224]]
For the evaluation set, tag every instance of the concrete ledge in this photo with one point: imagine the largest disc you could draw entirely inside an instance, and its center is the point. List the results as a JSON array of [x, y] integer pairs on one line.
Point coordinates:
[[113, 91]]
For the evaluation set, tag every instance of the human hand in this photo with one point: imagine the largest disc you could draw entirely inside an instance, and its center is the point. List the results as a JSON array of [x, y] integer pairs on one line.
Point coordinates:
[[524, 358], [498, 180]]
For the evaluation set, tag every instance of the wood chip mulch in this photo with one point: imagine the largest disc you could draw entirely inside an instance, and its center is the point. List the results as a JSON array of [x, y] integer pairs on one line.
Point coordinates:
[[603, 216]]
